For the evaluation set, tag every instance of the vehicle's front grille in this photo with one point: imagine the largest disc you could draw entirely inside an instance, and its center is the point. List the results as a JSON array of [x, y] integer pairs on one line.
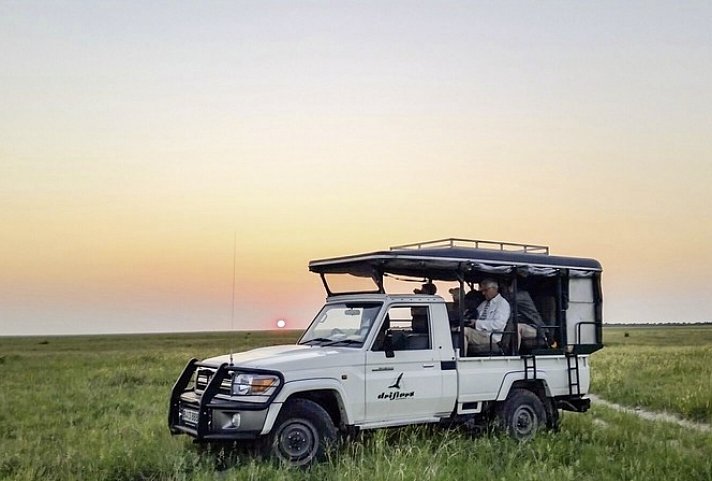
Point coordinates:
[[203, 377]]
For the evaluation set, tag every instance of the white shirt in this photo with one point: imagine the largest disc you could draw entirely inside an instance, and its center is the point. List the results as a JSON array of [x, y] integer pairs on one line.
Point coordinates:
[[496, 316]]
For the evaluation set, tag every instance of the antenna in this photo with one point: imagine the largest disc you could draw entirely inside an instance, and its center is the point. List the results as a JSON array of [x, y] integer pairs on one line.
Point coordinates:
[[234, 262]]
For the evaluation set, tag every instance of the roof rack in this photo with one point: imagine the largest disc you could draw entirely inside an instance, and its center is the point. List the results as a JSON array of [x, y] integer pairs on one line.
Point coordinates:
[[477, 244]]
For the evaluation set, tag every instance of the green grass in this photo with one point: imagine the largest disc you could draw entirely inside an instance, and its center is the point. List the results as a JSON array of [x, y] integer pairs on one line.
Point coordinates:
[[662, 369], [94, 408]]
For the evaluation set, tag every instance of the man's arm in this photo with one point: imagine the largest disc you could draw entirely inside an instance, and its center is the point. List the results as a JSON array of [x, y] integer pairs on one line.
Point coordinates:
[[527, 311]]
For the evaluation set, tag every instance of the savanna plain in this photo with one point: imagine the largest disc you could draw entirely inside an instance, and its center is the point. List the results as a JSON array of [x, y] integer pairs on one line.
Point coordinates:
[[95, 408]]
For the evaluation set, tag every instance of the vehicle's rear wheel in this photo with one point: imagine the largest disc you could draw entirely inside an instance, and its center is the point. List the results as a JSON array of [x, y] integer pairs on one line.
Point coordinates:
[[302, 434], [522, 414]]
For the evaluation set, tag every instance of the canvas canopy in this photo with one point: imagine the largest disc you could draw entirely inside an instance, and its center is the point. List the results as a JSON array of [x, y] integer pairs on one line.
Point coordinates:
[[448, 260], [450, 263]]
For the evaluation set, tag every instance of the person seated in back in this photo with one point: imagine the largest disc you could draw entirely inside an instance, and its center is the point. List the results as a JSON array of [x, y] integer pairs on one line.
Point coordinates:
[[453, 308], [528, 318], [529, 322], [428, 288], [472, 299], [492, 316]]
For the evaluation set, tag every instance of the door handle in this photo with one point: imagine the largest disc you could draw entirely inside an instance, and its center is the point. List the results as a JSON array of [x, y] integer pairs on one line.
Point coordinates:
[[426, 366], [379, 369]]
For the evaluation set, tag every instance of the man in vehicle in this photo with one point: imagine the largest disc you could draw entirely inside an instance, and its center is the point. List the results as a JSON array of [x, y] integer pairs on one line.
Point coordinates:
[[472, 299], [428, 288], [529, 322], [492, 316]]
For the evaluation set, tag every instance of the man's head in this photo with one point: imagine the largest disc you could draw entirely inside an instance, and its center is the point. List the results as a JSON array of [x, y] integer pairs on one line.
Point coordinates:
[[455, 293], [428, 288], [489, 288], [473, 299]]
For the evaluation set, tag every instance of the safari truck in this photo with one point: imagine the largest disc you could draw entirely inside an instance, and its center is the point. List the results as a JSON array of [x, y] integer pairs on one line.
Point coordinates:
[[374, 357]]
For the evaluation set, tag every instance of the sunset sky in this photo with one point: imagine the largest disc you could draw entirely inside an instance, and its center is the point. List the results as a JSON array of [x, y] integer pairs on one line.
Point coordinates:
[[137, 137]]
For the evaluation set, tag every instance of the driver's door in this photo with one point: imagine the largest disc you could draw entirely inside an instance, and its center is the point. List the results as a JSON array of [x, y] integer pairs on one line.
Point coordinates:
[[407, 385]]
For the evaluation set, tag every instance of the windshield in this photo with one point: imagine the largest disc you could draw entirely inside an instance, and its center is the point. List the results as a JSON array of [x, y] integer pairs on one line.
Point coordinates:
[[345, 324]]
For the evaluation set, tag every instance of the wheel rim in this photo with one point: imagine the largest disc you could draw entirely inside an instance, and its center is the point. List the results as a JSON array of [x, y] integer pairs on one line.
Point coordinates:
[[298, 442], [525, 422]]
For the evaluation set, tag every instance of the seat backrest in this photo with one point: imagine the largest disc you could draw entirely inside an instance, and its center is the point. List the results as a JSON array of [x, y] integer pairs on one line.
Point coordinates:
[[508, 343], [547, 308], [399, 341], [420, 323], [418, 341]]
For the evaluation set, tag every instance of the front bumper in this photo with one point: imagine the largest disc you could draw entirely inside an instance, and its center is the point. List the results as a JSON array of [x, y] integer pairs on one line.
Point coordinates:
[[207, 416]]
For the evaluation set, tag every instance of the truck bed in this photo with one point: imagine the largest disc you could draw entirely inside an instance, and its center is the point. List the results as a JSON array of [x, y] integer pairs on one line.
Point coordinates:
[[488, 378]]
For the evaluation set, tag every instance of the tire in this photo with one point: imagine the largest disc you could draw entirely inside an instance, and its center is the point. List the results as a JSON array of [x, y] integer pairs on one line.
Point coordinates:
[[302, 434], [522, 415]]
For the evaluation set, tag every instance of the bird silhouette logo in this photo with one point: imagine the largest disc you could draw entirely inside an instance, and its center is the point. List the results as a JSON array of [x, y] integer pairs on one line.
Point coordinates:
[[396, 385], [398, 395]]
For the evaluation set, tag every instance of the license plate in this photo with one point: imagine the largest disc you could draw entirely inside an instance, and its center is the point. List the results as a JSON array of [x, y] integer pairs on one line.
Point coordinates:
[[189, 416]]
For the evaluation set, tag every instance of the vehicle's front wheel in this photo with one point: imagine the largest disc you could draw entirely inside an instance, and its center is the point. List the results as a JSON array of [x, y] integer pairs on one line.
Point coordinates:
[[302, 434], [522, 414]]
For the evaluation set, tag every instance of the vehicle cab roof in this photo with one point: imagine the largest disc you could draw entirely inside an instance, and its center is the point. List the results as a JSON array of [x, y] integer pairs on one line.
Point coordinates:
[[385, 298]]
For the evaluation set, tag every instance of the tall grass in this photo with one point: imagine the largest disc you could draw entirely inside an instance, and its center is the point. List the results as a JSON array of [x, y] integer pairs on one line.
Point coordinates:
[[95, 408], [663, 369]]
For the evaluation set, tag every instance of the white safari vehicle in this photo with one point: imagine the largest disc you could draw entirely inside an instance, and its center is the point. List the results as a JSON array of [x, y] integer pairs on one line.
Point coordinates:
[[373, 359]]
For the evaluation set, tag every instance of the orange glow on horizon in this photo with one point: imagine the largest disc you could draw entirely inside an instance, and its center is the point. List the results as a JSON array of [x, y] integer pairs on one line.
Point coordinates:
[[126, 172]]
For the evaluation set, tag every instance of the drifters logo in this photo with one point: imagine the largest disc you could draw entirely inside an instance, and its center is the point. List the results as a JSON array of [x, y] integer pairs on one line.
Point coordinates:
[[398, 394]]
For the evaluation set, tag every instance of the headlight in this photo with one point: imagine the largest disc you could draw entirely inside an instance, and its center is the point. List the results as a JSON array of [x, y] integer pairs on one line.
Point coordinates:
[[247, 384]]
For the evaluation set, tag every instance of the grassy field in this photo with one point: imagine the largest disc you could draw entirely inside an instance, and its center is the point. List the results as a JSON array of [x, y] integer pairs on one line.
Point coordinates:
[[662, 369], [90, 408]]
